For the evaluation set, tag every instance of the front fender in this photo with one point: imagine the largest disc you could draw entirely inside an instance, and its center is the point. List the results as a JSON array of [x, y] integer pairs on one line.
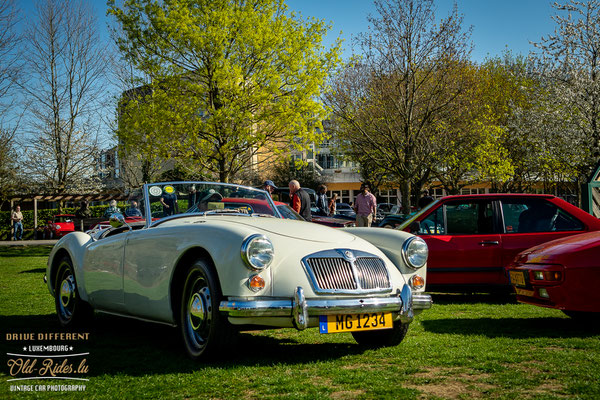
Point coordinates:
[[390, 242], [74, 245]]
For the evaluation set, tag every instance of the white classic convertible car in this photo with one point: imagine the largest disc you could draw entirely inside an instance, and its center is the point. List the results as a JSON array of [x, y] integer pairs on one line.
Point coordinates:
[[214, 259]]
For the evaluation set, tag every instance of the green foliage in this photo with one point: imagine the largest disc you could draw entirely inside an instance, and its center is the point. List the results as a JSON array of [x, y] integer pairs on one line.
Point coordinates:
[[230, 79], [286, 170]]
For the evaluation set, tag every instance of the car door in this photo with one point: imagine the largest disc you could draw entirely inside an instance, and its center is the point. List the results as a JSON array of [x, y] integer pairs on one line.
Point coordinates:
[[464, 243], [530, 221], [150, 255], [103, 272]]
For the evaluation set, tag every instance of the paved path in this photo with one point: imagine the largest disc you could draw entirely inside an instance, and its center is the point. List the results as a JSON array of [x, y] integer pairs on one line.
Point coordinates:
[[49, 242]]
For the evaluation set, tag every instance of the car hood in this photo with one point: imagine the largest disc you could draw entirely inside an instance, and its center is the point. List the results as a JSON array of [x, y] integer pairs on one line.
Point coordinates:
[[284, 227], [555, 250]]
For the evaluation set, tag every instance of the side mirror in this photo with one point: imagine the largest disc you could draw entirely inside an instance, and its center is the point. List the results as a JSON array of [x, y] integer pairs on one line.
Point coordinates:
[[116, 220], [415, 227]]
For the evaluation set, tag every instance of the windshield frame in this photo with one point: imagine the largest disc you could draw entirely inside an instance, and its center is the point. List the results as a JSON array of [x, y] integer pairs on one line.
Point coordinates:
[[147, 205]]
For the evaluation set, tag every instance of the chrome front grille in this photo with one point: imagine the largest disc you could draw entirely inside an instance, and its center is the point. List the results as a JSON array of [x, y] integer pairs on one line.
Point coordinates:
[[347, 271]]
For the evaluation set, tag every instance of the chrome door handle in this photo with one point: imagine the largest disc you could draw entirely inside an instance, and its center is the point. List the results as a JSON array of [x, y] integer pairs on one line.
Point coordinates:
[[494, 242]]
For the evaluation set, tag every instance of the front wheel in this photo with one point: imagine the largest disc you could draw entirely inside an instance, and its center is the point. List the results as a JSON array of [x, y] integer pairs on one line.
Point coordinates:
[[382, 337], [203, 329], [70, 309]]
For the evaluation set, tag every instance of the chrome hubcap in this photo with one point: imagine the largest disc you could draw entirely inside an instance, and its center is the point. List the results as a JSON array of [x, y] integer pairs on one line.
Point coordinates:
[[197, 311], [67, 288]]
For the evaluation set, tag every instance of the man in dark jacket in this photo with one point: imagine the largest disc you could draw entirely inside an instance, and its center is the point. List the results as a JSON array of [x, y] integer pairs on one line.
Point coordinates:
[[322, 202], [300, 200]]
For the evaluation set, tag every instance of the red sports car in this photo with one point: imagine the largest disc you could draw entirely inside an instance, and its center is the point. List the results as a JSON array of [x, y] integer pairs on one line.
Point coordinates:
[[562, 274], [472, 238], [60, 225]]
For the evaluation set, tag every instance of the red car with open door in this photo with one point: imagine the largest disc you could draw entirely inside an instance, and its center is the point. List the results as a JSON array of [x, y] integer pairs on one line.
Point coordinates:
[[472, 238], [562, 274]]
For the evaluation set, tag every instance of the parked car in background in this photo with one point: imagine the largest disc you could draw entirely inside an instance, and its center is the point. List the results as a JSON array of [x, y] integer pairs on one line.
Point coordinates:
[[562, 274], [472, 238], [384, 209], [288, 212], [60, 225], [345, 209], [282, 194], [392, 221], [224, 263]]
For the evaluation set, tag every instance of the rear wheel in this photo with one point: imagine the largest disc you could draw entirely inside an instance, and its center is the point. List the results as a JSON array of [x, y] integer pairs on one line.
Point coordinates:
[[203, 329], [70, 309], [382, 337]]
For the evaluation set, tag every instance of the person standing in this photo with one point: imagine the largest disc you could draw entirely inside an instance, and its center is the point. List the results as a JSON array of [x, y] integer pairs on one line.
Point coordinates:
[[300, 200], [332, 206], [269, 187], [322, 203], [365, 206], [17, 220], [425, 199]]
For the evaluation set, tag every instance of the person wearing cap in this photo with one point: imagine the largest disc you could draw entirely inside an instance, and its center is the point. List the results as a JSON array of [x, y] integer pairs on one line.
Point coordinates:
[[365, 206], [269, 187]]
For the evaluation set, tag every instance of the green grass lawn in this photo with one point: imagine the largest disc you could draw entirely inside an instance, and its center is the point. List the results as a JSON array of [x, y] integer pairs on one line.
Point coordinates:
[[464, 347]]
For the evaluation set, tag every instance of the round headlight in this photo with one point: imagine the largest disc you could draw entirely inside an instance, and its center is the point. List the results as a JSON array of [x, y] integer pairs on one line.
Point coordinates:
[[415, 252], [257, 252]]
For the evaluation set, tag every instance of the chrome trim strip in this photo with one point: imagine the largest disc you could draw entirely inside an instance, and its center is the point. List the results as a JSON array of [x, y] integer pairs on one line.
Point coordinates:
[[284, 308]]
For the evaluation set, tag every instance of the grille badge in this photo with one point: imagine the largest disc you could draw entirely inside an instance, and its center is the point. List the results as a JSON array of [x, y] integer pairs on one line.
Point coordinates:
[[347, 254]]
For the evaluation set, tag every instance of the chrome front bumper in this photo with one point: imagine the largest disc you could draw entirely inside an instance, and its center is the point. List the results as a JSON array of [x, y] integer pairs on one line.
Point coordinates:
[[300, 309]]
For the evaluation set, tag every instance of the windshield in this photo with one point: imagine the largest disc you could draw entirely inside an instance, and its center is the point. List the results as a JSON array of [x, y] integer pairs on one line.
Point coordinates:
[[175, 198], [412, 218], [288, 212]]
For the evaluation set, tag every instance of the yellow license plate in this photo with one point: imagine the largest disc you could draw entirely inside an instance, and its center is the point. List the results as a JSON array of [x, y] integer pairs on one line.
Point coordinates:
[[355, 322], [517, 278], [524, 292]]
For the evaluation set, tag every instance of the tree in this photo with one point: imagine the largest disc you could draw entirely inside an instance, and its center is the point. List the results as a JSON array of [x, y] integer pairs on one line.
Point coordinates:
[[386, 103], [468, 143], [571, 60], [9, 42], [64, 65], [231, 81]]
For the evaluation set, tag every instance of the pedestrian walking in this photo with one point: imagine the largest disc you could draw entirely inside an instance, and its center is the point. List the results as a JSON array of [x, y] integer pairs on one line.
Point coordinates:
[[365, 206]]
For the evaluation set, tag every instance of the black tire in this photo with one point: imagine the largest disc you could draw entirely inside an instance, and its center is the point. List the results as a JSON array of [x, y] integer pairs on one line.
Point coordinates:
[[70, 309], [204, 331], [382, 337]]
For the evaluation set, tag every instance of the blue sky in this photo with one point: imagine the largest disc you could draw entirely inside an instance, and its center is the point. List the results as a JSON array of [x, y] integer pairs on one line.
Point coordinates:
[[497, 24]]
